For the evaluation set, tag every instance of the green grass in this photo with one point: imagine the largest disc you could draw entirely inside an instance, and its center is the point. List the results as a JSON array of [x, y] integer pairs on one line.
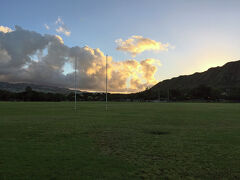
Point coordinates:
[[130, 141]]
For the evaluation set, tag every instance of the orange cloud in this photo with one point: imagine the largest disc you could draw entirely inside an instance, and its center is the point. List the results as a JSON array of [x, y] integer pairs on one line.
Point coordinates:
[[124, 76], [138, 44], [5, 29], [60, 39]]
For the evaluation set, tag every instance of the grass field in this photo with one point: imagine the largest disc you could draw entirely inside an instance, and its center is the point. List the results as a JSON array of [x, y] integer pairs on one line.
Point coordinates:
[[130, 141]]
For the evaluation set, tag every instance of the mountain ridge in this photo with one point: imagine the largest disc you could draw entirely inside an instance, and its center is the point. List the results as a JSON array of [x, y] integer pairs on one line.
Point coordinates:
[[20, 87], [226, 76]]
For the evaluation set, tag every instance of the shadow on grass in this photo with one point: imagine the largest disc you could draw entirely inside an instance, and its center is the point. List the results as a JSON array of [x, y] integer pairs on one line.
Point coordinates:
[[158, 133]]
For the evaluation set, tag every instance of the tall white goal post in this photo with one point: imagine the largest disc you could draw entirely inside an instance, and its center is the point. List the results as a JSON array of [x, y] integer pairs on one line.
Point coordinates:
[[106, 82]]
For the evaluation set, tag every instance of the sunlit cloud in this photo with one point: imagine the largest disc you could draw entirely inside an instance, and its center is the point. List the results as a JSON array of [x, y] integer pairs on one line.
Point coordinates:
[[5, 29], [41, 59], [150, 67], [62, 27], [138, 44], [60, 39]]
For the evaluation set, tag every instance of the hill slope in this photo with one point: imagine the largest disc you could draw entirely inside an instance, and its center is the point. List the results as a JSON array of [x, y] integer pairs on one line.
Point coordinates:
[[226, 76]]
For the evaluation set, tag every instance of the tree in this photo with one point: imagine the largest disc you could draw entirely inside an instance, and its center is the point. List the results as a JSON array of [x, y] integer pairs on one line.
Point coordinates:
[[28, 89]]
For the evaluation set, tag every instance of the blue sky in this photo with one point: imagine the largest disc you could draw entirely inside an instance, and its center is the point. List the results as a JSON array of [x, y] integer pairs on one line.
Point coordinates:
[[204, 33]]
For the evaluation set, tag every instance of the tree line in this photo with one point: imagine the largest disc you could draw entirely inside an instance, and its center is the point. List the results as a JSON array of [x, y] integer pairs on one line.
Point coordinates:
[[200, 93], [31, 95]]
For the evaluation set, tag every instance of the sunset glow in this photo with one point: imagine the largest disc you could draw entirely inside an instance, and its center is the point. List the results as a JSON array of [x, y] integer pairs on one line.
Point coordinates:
[[160, 40]]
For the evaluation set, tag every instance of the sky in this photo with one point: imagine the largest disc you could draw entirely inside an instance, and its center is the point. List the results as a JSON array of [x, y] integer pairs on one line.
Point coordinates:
[[160, 39]]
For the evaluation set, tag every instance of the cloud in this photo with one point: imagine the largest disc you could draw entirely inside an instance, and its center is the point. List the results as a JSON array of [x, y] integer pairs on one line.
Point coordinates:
[[149, 69], [138, 44], [62, 27], [47, 26], [63, 30], [17, 49], [4, 57], [59, 21], [59, 38], [5, 29]]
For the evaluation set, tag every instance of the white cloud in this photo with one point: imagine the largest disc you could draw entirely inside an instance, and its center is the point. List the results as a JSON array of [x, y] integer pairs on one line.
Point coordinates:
[[63, 30], [59, 21], [62, 27], [5, 29], [139, 44], [46, 26]]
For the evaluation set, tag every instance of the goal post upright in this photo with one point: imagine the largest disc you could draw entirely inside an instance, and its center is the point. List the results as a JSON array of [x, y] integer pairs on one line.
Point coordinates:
[[75, 84], [106, 82]]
